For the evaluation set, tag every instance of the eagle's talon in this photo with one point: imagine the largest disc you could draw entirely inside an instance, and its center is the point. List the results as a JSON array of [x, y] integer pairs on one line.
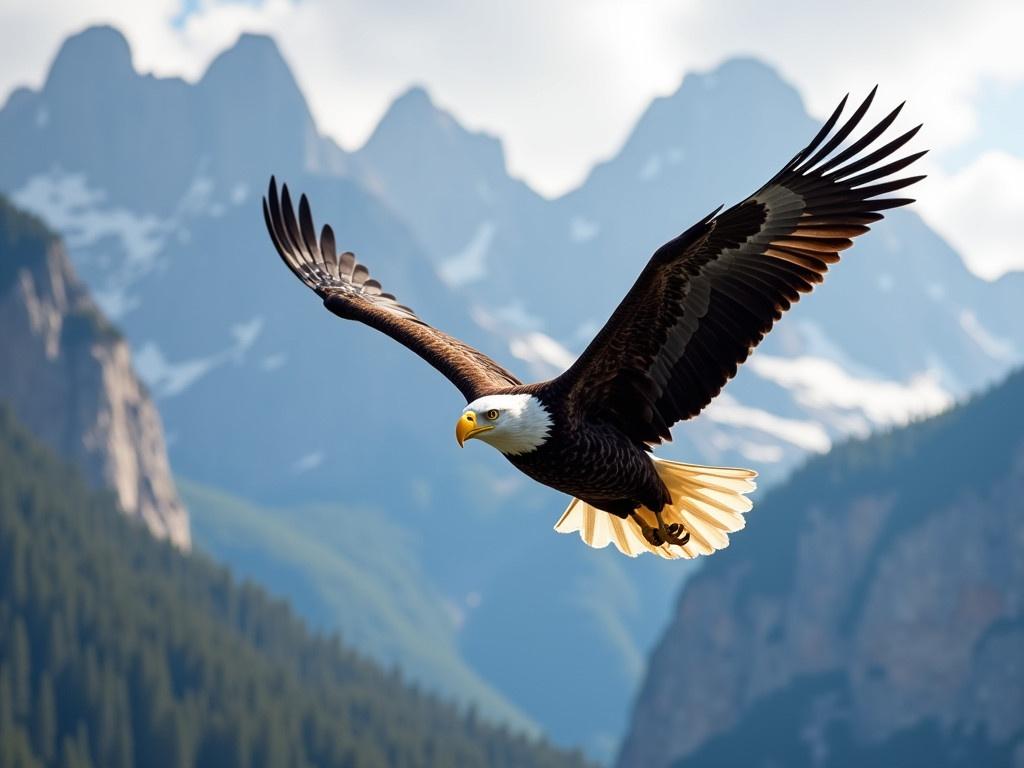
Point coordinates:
[[680, 541]]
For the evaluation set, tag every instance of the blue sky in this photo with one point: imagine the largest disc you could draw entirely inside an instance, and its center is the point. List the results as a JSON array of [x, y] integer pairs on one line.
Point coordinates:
[[562, 83]]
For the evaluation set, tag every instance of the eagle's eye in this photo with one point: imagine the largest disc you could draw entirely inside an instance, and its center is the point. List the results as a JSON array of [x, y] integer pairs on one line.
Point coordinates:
[[492, 414]]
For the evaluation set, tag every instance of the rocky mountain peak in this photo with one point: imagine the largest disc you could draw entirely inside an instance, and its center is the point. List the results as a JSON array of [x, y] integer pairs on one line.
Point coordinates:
[[415, 128], [255, 65], [99, 53]]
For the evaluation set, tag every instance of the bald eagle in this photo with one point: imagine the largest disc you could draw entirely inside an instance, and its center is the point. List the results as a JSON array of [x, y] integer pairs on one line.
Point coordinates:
[[700, 306]]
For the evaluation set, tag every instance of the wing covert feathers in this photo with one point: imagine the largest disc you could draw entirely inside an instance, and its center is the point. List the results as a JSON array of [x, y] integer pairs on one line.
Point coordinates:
[[710, 502], [708, 297]]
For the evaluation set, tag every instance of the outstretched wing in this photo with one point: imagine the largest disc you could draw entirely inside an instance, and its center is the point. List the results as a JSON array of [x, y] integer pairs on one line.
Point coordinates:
[[708, 297], [348, 291]]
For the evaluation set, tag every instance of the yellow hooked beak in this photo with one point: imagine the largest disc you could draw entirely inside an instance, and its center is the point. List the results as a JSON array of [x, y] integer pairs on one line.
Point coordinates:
[[466, 427]]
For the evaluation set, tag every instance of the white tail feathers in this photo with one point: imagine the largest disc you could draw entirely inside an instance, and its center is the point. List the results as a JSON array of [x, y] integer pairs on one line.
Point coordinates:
[[709, 502]]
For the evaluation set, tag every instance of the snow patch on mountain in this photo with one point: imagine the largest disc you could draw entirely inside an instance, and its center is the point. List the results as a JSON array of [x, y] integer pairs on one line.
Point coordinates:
[[582, 229], [81, 213], [273, 362], [246, 334], [470, 264], [763, 453], [807, 435], [997, 348], [651, 168], [822, 386], [308, 463], [167, 379]]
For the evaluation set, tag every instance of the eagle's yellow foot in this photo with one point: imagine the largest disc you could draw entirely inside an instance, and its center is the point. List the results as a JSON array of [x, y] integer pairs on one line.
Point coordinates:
[[673, 533]]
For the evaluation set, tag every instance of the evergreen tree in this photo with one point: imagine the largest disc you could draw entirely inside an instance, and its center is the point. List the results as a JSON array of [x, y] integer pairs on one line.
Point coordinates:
[[44, 721], [21, 670]]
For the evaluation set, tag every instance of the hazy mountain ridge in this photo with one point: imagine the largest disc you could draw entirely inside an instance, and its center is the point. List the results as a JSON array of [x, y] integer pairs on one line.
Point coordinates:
[[339, 578], [271, 398], [873, 615], [67, 373]]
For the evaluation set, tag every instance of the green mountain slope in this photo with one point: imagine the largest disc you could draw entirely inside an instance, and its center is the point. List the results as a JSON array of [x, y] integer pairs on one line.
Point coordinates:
[[349, 570], [116, 650]]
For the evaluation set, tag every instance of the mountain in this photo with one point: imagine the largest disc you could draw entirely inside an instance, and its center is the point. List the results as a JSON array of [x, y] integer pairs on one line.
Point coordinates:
[[872, 616], [118, 651], [452, 187], [67, 373], [548, 275], [268, 399]]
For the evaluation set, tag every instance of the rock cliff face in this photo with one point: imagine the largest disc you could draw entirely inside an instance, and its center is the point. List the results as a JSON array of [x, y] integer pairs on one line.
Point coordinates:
[[874, 614], [68, 375]]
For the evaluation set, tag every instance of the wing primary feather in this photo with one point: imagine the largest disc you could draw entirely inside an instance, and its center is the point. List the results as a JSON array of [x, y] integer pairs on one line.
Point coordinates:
[[328, 250], [277, 243], [818, 138], [861, 143], [883, 171], [308, 230], [279, 235], [291, 227], [879, 154], [711, 215], [346, 264], [841, 134]]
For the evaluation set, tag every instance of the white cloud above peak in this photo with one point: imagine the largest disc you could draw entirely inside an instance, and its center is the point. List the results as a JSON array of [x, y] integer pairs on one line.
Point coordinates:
[[563, 83]]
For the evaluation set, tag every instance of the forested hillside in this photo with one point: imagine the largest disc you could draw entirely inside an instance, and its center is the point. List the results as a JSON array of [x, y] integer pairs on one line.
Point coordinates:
[[116, 650]]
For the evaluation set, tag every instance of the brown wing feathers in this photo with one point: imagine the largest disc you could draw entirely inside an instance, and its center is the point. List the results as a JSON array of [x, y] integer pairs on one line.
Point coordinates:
[[707, 298], [348, 291]]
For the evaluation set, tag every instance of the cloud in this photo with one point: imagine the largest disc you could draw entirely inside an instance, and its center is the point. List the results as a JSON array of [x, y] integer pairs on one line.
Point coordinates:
[[545, 355], [564, 82], [979, 210]]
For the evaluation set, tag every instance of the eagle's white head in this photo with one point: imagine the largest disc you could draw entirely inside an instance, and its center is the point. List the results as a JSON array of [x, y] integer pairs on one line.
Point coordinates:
[[514, 424]]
